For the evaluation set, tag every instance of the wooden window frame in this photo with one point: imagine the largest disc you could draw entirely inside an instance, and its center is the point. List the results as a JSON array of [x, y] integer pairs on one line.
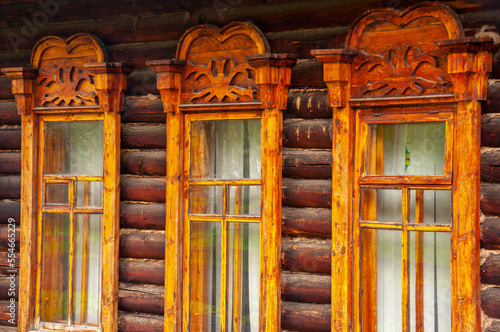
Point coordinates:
[[270, 85], [107, 85], [467, 64]]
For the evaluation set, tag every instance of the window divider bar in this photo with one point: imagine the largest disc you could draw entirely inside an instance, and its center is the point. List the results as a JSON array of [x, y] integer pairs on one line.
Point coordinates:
[[404, 264]]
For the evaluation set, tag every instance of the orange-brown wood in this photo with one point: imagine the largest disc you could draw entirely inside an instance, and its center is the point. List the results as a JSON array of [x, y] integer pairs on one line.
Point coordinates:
[[69, 79], [223, 72], [393, 70]]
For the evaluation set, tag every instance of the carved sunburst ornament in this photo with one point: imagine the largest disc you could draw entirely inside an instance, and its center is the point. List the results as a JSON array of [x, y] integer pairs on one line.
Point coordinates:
[[221, 74], [66, 84]]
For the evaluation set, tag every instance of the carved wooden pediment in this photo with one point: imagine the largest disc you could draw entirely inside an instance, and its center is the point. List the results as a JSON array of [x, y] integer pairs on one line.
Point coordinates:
[[63, 80], [397, 54], [216, 68]]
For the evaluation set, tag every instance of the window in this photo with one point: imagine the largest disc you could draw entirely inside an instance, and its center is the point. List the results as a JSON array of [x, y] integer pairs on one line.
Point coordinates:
[[406, 94], [223, 96], [69, 105]]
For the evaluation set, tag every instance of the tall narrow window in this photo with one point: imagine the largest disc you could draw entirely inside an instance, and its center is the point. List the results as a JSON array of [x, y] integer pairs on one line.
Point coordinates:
[[223, 96], [69, 102], [406, 94]]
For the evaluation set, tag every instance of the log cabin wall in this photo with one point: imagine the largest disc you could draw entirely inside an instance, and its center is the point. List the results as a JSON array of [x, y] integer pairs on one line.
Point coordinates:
[[138, 31]]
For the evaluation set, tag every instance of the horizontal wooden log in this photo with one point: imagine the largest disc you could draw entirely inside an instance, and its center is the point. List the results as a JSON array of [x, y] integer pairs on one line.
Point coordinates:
[[490, 164], [306, 256], [141, 298], [143, 189], [10, 187], [9, 287], [490, 302], [308, 104], [307, 134], [128, 322], [307, 193], [490, 198], [490, 233], [142, 271], [311, 222], [6, 260], [490, 270], [307, 164], [142, 216], [306, 288], [490, 130], [144, 136], [8, 311], [8, 113], [143, 163], [145, 109], [9, 234], [492, 104], [8, 328], [10, 162], [10, 209], [143, 244], [305, 317], [10, 138]]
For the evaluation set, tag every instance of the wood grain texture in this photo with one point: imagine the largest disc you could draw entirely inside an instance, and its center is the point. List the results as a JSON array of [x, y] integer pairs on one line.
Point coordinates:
[[10, 138], [305, 317], [8, 113], [490, 302], [141, 298], [129, 322], [305, 288], [305, 256], [490, 233], [490, 270], [307, 164], [144, 136], [146, 189], [146, 244], [142, 271], [10, 209], [10, 163], [142, 216], [151, 163], [306, 134], [490, 198], [309, 222], [10, 187], [307, 193]]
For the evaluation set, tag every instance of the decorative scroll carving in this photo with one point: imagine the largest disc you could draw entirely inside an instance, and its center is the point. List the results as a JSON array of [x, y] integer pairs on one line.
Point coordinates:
[[397, 54], [222, 76], [68, 86], [216, 68], [400, 71]]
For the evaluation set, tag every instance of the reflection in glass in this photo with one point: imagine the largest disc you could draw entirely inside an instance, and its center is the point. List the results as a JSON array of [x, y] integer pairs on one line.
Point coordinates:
[[381, 256], [205, 264], [406, 149], [205, 200], [225, 149], [381, 204], [243, 281], [430, 206], [56, 193], [244, 200], [54, 283], [73, 148], [87, 286], [88, 194], [430, 281]]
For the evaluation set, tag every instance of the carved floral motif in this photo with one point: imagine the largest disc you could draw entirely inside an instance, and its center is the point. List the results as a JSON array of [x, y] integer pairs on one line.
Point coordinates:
[[221, 76], [65, 87], [400, 71]]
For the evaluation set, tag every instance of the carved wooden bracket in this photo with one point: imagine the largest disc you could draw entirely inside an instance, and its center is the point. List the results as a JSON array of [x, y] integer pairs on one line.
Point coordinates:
[[469, 64], [68, 75], [229, 67]]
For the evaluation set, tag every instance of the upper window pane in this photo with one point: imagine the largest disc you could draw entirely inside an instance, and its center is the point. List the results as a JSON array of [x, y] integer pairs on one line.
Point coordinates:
[[74, 148], [225, 149], [406, 149]]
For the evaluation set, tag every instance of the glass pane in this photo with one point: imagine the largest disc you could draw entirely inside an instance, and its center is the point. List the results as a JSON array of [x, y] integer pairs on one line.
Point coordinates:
[[56, 193], [205, 200], [55, 267], [88, 194], [244, 200], [430, 206], [87, 289], [430, 281], [406, 149], [225, 149], [243, 277], [381, 204], [73, 148], [205, 263], [381, 298]]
